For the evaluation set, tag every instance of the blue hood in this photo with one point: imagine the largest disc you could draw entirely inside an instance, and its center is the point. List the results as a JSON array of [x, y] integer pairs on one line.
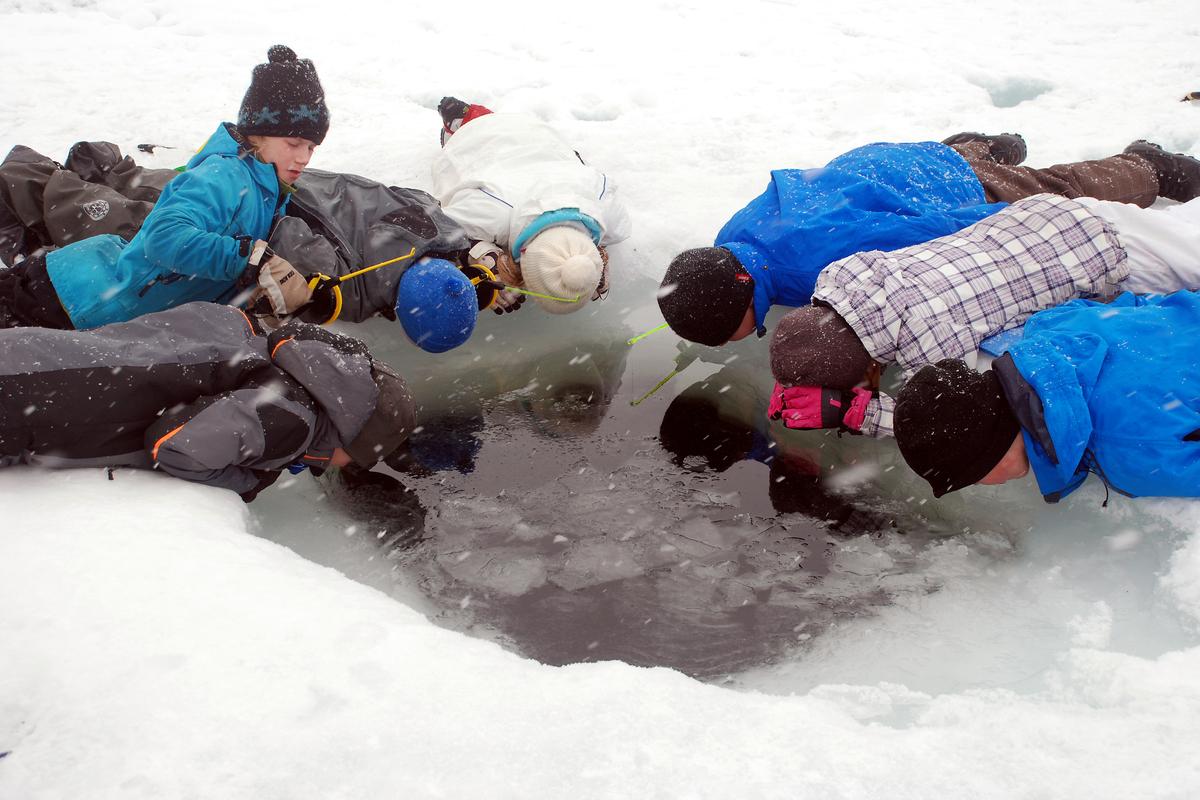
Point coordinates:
[[1119, 386], [878, 197]]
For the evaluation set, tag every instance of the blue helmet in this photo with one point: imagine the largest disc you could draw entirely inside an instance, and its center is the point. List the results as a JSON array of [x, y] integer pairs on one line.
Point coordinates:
[[435, 302]]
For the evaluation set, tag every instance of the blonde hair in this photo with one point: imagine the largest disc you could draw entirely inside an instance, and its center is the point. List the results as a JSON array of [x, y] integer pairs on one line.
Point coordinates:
[[254, 144]]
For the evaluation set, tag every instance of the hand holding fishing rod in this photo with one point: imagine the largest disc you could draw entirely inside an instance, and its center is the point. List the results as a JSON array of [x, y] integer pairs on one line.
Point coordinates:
[[326, 301], [326, 293]]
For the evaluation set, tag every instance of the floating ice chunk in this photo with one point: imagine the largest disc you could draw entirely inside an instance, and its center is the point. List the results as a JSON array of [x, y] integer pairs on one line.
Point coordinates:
[[1124, 540], [855, 475], [507, 571]]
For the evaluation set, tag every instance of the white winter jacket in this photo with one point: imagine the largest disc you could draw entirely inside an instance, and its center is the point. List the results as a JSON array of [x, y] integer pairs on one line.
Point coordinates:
[[503, 177]]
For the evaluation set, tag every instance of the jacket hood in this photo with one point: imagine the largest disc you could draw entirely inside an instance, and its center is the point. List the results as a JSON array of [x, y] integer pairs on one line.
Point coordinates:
[[227, 142], [1061, 373], [334, 369]]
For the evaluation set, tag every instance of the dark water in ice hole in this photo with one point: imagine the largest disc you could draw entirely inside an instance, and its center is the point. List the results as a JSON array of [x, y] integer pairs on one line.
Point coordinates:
[[546, 512]]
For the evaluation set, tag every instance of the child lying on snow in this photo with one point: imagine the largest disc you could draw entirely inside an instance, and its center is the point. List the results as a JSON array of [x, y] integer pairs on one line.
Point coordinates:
[[204, 239], [941, 299], [540, 215], [1091, 388], [198, 393], [881, 197], [334, 224]]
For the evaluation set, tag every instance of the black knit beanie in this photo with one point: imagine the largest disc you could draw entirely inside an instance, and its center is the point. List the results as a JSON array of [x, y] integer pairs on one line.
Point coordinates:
[[285, 98], [953, 424], [815, 346], [693, 428], [705, 294]]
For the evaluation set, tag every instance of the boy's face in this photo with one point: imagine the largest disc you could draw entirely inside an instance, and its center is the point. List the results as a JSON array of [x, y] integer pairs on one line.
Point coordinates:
[[748, 325], [288, 154], [1014, 464]]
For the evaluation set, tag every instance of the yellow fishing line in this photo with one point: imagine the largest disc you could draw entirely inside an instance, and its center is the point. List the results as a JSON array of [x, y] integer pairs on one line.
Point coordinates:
[[657, 386], [364, 270], [641, 336]]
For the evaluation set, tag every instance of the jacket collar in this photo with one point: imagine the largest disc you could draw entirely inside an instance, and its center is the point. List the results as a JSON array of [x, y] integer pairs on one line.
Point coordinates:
[[1047, 383], [228, 142]]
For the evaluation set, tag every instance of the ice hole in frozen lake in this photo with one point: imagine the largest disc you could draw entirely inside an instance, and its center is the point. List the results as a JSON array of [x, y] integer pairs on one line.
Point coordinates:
[[537, 507]]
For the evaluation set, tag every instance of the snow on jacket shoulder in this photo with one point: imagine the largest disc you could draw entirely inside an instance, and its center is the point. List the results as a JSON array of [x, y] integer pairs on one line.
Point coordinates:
[[878, 197], [500, 172], [1119, 391], [185, 250]]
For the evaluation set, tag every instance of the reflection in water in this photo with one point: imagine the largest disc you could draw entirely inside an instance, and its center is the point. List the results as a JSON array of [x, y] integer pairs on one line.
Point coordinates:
[[560, 526], [721, 420], [685, 532], [389, 511], [448, 439]]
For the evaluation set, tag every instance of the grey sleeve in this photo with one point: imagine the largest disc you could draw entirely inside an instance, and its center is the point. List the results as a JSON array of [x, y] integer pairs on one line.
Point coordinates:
[[231, 440]]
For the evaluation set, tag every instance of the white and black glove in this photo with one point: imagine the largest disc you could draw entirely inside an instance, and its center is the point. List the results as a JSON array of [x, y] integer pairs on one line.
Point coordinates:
[[492, 256], [281, 289]]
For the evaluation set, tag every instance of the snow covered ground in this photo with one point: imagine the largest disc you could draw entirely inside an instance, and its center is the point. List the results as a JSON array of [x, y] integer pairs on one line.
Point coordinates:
[[156, 639]]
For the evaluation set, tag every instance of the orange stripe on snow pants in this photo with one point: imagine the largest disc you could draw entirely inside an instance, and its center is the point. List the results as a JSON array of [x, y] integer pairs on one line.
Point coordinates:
[[280, 344], [168, 435]]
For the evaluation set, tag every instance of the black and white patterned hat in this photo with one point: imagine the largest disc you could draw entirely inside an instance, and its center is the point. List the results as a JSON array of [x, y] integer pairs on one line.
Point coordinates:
[[285, 98]]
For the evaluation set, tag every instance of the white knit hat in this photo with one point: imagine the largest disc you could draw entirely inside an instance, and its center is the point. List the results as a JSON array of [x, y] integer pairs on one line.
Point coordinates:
[[562, 261]]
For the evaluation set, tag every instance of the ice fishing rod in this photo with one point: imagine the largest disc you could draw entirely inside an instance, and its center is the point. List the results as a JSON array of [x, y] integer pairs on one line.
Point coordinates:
[[682, 362], [488, 287], [678, 367], [641, 336], [325, 283], [484, 281], [657, 386]]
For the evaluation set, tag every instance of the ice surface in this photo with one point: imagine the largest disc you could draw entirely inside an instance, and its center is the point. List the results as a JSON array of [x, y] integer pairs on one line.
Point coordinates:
[[156, 642]]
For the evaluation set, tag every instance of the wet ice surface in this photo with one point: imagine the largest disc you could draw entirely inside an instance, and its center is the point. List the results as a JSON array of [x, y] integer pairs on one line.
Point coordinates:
[[543, 511]]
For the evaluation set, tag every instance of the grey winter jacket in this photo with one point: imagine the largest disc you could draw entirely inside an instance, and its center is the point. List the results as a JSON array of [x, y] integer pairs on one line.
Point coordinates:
[[194, 391], [96, 191], [339, 223]]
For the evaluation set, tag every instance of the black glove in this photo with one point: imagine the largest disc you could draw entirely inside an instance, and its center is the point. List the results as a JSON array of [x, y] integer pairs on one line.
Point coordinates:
[[324, 302], [511, 304], [306, 331], [265, 479]]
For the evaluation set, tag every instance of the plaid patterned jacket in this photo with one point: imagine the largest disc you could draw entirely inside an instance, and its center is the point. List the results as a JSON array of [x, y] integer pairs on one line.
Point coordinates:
[[940, 299]]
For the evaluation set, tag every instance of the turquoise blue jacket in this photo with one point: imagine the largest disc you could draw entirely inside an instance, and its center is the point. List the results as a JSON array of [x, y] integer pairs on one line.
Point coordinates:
[[1118, 387], [877, 197], [186, 248]]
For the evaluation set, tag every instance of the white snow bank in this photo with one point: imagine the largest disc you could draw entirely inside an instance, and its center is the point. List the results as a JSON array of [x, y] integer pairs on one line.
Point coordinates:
[[151, 647]]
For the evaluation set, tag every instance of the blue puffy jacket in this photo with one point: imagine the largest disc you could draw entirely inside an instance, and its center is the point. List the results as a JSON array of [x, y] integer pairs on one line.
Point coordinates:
[[186, 248], [1119, 391], [877, 197]]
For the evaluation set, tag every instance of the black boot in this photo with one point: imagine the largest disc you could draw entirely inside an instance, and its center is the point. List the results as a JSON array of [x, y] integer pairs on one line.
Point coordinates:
[[1178, 174], [1005, 148]]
